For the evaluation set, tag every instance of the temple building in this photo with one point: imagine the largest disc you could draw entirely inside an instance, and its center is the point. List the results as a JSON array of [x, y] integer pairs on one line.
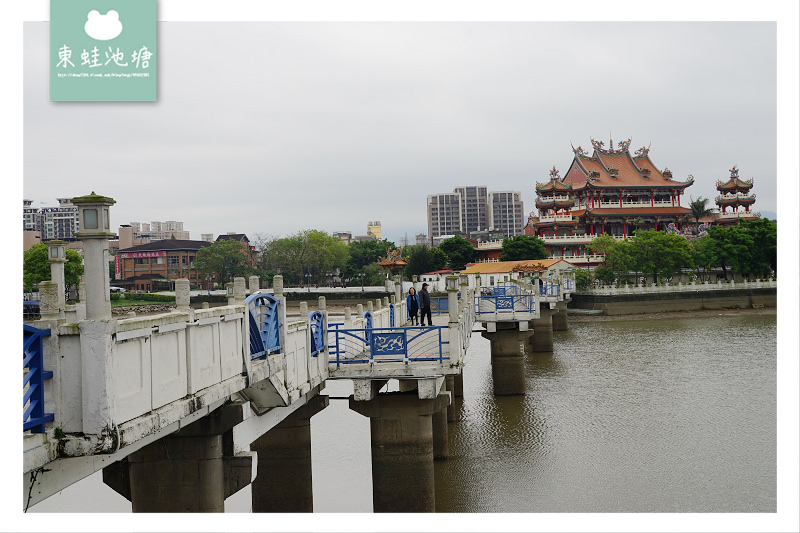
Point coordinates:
[[610, 192], [735, 199]]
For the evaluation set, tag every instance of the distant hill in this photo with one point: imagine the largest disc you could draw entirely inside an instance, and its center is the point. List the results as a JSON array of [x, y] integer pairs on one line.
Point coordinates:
[[769, 214]]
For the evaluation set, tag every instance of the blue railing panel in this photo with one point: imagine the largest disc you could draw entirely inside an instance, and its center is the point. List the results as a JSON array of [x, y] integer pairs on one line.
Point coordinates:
[[391, 315], [264, 324], [386, 345], [315, 323], [33, 417], [368, 326]]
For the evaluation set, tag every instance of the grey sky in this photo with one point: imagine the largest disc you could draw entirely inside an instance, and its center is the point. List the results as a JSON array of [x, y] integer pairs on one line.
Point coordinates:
[[266, 127]]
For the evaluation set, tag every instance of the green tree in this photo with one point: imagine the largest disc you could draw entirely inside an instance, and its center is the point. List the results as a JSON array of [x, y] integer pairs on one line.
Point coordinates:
[[583, 279], [604, 273], [703, 255], [659, 254], [363, 253], [422, 259], [523, 247], [459, 252], [730, 248], [308, 251], [226, 259], [36, 268], [700, 209], [764, 253], [617, 259]]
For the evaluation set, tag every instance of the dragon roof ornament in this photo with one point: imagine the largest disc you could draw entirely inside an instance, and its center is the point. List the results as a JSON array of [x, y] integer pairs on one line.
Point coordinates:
[[623, 147], [578, 151], [554, 174], [643, 151], [734, 172]]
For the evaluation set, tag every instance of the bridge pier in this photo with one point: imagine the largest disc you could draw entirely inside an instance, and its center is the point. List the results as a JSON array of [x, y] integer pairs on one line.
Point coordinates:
[[441, 443], [542, 340], [401, 431], [508, 356], [283, 482], [560, 322]]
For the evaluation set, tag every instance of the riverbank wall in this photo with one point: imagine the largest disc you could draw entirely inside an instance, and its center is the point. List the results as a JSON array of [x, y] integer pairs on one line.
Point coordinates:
[[697, 300]]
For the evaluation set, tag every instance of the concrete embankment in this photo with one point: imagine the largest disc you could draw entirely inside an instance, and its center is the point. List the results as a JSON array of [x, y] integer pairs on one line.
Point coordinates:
[[698, 300]]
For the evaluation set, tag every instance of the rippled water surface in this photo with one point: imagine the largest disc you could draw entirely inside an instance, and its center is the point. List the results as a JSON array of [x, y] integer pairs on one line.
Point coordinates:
[[624, 416]]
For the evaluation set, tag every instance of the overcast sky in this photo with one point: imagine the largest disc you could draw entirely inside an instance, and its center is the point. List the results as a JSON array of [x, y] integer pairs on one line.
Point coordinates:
[[271, 128]]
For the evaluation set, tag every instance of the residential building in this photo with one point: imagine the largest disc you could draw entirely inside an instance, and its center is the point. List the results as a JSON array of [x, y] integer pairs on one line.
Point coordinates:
[[610, 192], [444, 214], [506, 213], [472, 211], [152, 266], [51, 222], [374, 229], [156, 230]]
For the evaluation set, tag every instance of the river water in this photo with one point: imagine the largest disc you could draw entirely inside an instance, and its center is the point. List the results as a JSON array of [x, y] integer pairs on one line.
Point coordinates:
[[629, 416]]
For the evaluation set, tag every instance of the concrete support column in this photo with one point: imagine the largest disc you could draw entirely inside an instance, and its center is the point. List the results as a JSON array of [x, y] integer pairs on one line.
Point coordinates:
[[253, 283], [458, 384], [449, 385], [508, 358], [560, 322], [182, 294], [542, 340], [284, 483], [178, 475], [401, 431], [441, 444]]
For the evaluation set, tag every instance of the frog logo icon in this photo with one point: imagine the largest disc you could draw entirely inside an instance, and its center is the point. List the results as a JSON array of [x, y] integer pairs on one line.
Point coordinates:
[[103, 27]]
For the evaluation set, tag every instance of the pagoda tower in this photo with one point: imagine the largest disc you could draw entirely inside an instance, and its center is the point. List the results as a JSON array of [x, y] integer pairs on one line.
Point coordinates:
[[735, 199], [610, 192]]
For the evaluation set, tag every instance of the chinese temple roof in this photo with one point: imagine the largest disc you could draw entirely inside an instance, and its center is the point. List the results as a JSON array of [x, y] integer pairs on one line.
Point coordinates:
[[734, 183], [616, 167]]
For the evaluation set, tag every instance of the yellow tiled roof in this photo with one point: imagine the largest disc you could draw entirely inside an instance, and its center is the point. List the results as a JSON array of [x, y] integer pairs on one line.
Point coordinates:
[[510, 266]]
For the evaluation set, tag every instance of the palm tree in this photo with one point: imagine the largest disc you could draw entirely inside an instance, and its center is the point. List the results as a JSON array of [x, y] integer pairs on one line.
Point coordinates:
[[700, 210]]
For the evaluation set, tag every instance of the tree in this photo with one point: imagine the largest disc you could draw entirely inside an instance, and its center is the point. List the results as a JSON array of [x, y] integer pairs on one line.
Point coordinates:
[[523, 247], [36, 267], [764, 253], [422, 259], [730, 247], [226, 259], [617, 258], [459, 252], [363, 253], [583, 279], [700, 209], [658, 253], [308, 251]]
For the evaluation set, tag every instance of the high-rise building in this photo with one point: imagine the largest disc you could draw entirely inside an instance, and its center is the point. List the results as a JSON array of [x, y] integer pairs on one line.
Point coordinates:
[[51, 222], [472, 210], [444, 214], [157, 231], [374, 229], [474, 215], [506, 213]]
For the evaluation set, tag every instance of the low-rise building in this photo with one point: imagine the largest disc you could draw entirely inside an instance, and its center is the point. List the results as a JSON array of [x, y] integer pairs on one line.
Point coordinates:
[[152, 266]]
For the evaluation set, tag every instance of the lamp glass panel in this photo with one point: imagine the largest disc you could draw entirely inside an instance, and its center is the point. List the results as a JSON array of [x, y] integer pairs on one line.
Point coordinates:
[[90, 218]]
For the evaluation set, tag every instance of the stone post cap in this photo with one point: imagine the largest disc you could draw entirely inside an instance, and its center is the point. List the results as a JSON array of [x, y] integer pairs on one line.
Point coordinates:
[[277, 284]]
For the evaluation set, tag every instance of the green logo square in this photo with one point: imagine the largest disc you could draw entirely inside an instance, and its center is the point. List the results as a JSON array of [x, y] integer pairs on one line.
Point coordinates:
[[103, 50]]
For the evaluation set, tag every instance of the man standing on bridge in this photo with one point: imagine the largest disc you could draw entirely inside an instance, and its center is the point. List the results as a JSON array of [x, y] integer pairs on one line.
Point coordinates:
[[425, 305]]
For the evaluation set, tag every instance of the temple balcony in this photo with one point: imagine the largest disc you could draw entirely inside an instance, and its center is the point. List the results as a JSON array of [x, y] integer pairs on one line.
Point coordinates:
[[498, 243], [555, 218], [580, 259], [739, 214], [635, 204]]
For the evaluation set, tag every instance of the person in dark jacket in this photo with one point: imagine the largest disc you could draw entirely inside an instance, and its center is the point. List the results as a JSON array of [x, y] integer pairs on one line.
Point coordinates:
[[412, 305], [425, 305]]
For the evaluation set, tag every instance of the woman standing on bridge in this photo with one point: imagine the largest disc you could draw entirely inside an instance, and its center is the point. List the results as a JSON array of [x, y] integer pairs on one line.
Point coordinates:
[[412, 304], [425, 305]]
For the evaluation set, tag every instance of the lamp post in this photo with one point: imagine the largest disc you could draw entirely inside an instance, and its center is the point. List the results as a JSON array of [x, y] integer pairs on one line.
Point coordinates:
[[361, 275], [94, 232], [308, 281]]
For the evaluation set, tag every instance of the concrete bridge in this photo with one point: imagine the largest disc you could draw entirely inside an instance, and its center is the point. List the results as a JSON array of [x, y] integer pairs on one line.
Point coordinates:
[[182, 409]]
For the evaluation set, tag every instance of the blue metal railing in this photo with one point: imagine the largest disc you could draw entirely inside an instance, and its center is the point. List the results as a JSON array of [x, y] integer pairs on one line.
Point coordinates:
[[316, 325], [550, 288], [504, 299], [391, 315], [264, 324], [33, 416], [386, 345]]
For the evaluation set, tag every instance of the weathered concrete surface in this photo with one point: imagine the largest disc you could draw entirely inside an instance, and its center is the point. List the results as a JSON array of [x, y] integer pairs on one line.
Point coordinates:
[[542, 340], [508, 358], [631, 304], [284, 482], [401, 431]]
